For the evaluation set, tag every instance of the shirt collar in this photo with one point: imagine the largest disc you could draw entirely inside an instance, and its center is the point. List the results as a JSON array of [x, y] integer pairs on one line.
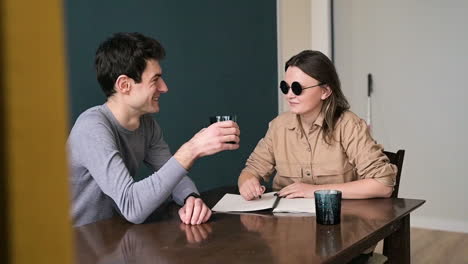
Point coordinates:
[[293, 121]]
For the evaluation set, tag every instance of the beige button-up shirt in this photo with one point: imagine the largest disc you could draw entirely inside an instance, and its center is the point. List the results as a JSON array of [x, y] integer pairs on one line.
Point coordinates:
[[352, 154]]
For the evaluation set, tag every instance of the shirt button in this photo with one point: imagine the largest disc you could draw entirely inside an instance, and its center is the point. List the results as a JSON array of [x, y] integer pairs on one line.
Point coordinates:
[[308, 149], [308, 173]]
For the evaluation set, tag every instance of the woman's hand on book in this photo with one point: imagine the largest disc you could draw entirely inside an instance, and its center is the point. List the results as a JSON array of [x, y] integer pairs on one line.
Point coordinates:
[[250, 188], [298, 190]]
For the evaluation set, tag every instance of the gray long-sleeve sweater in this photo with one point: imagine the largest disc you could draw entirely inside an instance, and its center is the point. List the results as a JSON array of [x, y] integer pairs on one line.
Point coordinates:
[[103, 157]]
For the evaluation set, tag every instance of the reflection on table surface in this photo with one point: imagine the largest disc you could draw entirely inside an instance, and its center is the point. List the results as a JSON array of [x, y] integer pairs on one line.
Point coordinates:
[[237, 238]]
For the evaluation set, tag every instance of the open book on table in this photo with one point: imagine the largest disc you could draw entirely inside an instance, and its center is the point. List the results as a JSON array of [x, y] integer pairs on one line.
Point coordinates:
[[235, 203]]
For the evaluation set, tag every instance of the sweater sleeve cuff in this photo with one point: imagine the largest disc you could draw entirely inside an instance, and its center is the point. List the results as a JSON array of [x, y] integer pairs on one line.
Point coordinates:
[[183, 190], [176, 166]]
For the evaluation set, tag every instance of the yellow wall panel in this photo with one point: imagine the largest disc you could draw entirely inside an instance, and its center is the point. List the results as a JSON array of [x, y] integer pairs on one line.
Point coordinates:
[[35, 118]]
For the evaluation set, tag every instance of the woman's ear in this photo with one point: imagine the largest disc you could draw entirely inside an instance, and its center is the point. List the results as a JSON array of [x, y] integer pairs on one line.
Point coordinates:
[[326, 92], [123, 84]]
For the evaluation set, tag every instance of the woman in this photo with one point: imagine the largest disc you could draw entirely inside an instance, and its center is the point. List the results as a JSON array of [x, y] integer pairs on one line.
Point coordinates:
[[319, 143]]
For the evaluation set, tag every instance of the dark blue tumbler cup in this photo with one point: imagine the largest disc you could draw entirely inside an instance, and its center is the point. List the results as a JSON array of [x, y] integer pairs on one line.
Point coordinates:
[[328, 207]]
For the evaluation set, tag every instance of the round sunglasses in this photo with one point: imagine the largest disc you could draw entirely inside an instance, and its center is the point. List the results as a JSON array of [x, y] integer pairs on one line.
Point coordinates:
[[296, 87]]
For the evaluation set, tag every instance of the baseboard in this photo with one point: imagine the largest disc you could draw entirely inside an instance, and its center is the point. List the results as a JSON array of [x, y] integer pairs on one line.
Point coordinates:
[[439, 224]]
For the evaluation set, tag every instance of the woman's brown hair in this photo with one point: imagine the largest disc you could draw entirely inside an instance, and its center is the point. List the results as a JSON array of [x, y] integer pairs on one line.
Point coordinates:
[[318, 66]]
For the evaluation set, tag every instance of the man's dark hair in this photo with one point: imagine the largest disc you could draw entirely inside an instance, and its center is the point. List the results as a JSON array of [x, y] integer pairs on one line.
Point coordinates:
[[124, 54]]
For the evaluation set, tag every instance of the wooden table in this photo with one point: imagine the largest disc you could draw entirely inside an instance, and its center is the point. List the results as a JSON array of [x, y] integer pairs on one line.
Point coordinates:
[[251, 238]]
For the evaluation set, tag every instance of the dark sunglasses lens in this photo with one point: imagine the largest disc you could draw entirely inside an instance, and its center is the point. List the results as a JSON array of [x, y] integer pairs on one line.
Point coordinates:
[[284, 87], [296, 88]]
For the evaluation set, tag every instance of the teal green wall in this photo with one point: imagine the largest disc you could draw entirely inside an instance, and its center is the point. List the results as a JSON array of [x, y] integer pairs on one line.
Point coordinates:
[[221, 58]]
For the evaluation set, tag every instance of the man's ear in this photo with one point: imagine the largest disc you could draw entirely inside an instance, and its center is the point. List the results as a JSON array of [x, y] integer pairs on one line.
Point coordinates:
[[123, 84], [326, 92]]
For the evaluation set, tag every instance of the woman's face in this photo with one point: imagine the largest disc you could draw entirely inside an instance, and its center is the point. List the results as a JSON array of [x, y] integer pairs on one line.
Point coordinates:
[[309, 102]]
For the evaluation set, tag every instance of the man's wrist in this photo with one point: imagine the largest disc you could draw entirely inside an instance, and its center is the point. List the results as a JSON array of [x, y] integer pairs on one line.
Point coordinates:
[[196, 195], [185, 155]]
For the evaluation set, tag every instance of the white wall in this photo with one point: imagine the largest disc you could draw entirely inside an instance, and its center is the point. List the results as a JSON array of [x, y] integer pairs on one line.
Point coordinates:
[[418, 53], [321, 26], [302, 24], [294, 35]]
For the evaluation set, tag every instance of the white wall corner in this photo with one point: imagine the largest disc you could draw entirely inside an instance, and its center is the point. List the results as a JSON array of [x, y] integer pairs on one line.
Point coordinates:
[[320, 11], [294, 35]]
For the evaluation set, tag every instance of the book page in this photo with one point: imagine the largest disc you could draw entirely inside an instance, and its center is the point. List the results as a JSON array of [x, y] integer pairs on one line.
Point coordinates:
[[296, 205], [235, 203]]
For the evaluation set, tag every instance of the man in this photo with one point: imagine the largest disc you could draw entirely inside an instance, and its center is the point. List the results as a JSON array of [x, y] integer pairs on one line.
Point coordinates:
[[109, 142]]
